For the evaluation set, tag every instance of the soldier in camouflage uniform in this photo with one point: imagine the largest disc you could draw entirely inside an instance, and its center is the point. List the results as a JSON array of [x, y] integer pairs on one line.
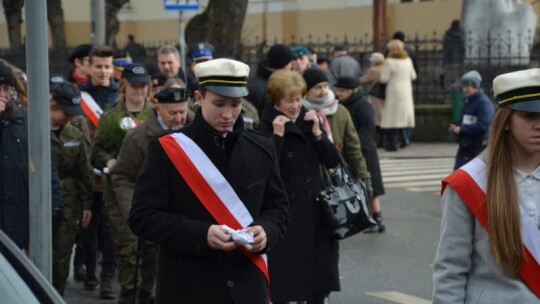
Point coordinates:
[[70, 151], [131, 107], [170, 113]]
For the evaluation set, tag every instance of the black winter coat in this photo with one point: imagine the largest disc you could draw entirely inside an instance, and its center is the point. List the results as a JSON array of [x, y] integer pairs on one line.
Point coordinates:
[[363, 118], [305, 263], [14, 191], [257, 87], [165, 211]]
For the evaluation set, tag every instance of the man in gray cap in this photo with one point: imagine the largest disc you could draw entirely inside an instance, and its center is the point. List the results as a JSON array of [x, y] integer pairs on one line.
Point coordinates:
[[212, 198], [476, 114]]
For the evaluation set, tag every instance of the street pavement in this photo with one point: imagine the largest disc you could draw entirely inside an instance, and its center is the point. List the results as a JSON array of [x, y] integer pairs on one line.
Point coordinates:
[[394, 266]]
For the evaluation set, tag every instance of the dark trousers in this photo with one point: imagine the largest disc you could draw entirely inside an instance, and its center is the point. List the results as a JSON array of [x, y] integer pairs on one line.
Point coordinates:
[[99, 237]]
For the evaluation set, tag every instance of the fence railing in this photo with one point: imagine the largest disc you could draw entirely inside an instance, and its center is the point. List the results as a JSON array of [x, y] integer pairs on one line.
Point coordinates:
[[440, 63]]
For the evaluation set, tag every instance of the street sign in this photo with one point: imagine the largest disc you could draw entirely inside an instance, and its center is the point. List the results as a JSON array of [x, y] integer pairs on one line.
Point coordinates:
[[181, 5]]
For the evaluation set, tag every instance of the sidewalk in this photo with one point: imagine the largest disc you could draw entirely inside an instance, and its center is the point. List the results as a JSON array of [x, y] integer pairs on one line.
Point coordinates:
[[422, 150]]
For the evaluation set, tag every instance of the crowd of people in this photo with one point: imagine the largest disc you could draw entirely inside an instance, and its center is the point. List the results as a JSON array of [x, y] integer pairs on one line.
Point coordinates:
[[198, 185]]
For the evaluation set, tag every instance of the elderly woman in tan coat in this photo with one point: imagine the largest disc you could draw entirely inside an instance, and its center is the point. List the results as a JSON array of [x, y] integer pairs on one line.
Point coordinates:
[[398, 113], [371, 79]]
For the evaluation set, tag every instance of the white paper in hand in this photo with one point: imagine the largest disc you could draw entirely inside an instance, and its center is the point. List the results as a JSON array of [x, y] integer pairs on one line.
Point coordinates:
[[240, 237]]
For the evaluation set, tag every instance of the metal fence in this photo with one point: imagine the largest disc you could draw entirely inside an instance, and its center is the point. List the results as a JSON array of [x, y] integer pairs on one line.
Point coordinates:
[[438, 75]]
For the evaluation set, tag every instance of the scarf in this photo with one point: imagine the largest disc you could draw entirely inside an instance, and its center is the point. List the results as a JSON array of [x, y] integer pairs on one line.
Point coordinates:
[[323, 107]]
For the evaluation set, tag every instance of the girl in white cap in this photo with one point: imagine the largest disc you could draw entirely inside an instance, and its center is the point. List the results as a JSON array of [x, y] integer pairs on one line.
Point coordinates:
[[489, 250]]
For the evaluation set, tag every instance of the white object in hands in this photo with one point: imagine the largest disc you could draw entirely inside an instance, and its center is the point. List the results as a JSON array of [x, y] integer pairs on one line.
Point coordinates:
[[240, 237]]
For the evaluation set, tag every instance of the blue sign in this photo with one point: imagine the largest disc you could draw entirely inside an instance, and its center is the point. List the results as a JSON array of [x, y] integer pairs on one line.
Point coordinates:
[[181, 5]]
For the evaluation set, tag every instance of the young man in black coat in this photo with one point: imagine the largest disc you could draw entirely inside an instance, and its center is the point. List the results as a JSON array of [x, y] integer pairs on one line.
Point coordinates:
[[199, 262]]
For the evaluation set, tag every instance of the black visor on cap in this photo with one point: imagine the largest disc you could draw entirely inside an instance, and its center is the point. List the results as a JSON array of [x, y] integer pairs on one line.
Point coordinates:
[[227, 91], [526, 106]]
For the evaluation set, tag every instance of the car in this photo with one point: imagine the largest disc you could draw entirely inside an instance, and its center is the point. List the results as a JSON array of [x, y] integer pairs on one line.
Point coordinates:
[[20, 280]]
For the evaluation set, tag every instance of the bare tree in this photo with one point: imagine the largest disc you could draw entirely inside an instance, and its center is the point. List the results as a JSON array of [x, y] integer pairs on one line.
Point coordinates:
[[112, 24], [220, 24], [13, 13], [55, 15]]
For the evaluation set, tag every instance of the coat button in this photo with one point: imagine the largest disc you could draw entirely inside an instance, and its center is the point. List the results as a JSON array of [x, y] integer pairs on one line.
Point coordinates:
[[309, 193], [292, 195], [290, 155], [230, 284], [309, 179]]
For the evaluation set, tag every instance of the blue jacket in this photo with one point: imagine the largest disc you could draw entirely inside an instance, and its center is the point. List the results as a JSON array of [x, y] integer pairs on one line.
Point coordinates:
[[475, 120], [104, 96]]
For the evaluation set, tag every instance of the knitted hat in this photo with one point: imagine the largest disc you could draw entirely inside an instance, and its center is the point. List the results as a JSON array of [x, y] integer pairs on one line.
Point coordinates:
[[278, 56], [346, 82], [314, 76], [471, 78], [5, 75]]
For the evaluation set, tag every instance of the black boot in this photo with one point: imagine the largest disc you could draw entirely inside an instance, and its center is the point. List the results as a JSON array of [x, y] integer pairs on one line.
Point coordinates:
[[79, 271], [106, 290], [128, 297], [379, 228], [404, 138], [90, 281]]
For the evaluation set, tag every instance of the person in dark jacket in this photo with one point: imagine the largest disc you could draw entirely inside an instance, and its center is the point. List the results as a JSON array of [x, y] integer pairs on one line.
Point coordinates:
[[14, 191], [199, 261], [363, 118], [304, 266], [279, 56], [475, 119]]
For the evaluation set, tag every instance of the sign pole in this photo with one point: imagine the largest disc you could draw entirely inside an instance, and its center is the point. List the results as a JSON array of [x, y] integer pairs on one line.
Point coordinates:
[[182, 45]]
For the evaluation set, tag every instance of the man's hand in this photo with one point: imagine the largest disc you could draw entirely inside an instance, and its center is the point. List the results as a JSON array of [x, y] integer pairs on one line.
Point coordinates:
[[87, 216], [217, 239], [259, 238], [454, 129]]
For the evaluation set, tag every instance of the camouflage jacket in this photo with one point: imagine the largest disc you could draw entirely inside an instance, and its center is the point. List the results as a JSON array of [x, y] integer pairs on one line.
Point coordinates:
[[70, 151]]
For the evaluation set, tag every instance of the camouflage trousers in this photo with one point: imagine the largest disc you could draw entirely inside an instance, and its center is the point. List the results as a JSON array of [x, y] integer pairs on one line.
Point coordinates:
[[125, 244], [64, 233]]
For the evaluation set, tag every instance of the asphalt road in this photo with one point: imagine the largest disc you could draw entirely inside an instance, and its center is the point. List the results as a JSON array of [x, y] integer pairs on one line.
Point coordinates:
[[395, 264]]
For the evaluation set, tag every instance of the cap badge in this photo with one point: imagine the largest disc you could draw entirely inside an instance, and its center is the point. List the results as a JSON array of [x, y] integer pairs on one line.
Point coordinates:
[[76, 100], [138, 70]]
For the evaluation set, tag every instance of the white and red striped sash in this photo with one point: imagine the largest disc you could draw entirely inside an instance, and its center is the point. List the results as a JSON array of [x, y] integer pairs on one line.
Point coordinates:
[[211, 188], [91, 108], [470, 183]]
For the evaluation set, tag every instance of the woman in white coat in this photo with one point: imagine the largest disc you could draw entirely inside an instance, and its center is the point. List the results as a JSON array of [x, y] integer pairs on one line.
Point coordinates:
[[398, 113]]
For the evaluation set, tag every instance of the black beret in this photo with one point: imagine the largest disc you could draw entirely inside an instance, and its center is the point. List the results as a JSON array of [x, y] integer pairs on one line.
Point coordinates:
[[80, 51], [172, 95]]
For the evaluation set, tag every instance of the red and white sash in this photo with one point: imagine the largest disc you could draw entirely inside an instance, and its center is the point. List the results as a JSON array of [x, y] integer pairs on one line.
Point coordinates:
[[470, 183], [211, 188], [90, 107]]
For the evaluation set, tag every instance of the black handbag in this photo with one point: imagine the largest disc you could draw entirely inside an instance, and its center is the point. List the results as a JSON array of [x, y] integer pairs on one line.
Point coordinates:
[[378, 90], [344, 202]]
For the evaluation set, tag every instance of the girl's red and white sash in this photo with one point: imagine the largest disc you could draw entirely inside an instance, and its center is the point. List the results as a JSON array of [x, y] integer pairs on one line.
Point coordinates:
[[211, 188], [470, 183]]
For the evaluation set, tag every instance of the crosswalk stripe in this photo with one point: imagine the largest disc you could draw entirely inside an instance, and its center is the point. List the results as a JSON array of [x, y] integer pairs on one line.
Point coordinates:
[[416, 175]]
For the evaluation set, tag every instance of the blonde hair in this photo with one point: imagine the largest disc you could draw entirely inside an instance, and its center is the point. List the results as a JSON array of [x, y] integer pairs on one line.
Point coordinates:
[[173, 81], [283, 83], [504, 226]]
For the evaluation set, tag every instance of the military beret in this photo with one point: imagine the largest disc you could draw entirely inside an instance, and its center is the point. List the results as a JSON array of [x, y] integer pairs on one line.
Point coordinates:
[[224, 77], [80, 51], [300, 50], [67, 95], [172, 95]]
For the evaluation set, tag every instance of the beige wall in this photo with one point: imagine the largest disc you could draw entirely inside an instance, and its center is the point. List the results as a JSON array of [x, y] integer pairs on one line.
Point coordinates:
[[150, 23]]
